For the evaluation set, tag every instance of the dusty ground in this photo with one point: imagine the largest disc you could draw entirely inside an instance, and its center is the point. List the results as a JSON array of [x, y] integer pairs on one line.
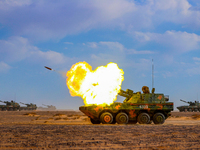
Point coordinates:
[[72, 130]]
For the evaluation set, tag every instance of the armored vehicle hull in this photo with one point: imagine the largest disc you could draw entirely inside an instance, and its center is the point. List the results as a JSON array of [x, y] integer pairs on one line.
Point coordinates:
[[9, 108], [188, 108], [142, 108], [27, 108]]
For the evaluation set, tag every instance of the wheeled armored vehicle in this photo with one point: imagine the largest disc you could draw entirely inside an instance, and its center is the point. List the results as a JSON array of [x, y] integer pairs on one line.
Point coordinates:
[[193, 106], [143, 108]]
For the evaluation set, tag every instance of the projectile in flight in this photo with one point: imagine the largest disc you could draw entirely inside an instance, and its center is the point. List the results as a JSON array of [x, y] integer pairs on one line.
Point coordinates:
[[47, 68]]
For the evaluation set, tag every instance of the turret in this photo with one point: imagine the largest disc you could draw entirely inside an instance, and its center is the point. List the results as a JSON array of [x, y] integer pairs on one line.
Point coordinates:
[[7, 102], [128, 94], [26, 104], [46, 105], [191, 103]]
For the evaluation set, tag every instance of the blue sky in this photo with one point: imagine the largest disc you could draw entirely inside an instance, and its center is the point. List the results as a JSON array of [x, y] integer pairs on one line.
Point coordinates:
[[38, 33]]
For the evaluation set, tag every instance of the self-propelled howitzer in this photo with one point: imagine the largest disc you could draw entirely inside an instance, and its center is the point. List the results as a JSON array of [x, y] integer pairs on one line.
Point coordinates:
[[143, 108], [49, 107], [10, 106], [193, 106], [30, 106]]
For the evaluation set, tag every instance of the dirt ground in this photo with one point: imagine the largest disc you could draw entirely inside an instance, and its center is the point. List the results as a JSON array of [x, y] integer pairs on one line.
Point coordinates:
[[73, 130]]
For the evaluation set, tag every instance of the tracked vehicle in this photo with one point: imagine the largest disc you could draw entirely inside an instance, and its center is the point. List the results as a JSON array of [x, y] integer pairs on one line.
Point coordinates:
[[10, 106], [143, 108], [30, 106], [193, 106], [49, 107]]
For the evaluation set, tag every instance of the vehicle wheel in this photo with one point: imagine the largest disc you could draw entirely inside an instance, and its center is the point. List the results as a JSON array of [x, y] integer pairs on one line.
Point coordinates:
[[143, 118], [10, 109], [4, 109], [15, 109], [122, 118], [94, 121], [106, 118], [185, 110], [158, 118], [190, 110], [132, 121], [195, 110]]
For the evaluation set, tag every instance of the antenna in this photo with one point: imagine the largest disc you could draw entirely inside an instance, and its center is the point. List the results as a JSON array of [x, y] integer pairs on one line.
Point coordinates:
[[152, 74]]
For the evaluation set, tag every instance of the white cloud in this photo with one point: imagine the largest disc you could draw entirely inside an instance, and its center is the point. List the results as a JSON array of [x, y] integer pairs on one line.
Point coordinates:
[[133, 51], [4, 67], [51, 57], [7, 4], [43, 20], [194, 71], [113, 45], [178, 41], [18, 48], [119, 47], [196, 58], [69, 43], [92, 44]]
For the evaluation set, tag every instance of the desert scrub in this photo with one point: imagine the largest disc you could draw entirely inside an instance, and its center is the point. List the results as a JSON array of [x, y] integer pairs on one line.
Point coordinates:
[[30, 114], [58, 115], [195, 116]]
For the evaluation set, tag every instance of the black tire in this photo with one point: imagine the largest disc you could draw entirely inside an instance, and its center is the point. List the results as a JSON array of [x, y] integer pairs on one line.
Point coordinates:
[[4, 109], [94, 121], [195, 110], [143, 118], [106, 118], [122, 118], [190, 110], [158, 118], [10, 109], [15, 109]]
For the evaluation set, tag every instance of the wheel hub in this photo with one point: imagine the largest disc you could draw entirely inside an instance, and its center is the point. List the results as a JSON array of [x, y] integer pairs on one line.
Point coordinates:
[[122, 118], [159, 119], [107, 118]]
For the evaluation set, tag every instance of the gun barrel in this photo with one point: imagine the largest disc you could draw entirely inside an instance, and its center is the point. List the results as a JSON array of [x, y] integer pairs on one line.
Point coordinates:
[[128, 93], [183, 101]]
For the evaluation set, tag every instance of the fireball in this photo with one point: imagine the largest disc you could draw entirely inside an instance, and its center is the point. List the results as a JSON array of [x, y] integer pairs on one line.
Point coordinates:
[[100, 86]]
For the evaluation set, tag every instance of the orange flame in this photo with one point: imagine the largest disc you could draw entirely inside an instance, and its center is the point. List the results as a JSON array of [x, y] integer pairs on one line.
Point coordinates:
[[100, 86]]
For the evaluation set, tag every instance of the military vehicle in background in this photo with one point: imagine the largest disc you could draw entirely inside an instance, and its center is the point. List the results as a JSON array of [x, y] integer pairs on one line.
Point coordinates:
[[10, 106], [137, 107], [49, 107], [193, 106], [30, 106]]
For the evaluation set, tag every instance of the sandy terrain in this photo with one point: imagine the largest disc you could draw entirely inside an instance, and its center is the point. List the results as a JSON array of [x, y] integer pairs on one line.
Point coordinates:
[[73, 130]]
